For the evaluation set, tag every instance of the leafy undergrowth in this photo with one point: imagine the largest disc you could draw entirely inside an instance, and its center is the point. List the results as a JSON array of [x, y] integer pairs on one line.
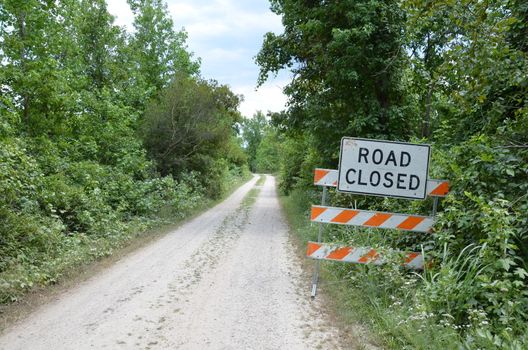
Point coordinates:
[[56, 222]]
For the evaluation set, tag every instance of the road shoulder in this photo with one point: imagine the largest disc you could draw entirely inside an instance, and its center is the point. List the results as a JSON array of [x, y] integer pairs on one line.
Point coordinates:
[[330, 301]]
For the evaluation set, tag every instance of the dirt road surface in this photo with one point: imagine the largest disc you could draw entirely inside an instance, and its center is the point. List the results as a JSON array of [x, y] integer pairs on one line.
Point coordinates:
[[229, 279]]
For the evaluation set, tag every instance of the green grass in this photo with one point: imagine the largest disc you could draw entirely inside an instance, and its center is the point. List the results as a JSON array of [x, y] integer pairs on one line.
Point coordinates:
[[380, 298], [252, 195], [250, 198], [261, 180]]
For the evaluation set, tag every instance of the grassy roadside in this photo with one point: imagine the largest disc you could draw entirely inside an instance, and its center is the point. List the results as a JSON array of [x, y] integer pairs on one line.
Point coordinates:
[[81, 264], [358, 296]]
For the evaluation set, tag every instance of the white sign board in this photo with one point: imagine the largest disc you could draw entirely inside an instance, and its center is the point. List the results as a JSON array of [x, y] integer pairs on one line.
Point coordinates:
[[383, 168]]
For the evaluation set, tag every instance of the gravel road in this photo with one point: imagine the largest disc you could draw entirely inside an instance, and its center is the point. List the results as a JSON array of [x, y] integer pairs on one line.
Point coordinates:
[[229, 279]]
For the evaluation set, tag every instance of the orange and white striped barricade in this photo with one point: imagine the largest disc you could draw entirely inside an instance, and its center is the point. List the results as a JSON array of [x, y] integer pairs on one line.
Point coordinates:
[[323, 214], [377, 168], [328, 178], [373, 219], [359, 255]]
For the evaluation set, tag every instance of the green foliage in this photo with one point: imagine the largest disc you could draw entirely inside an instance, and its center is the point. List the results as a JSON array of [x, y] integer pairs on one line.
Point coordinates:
[[261, 144], [268, 152], [455, 76], [253, 130], [346, 58], [158, 51], [74, 207], [32, 74], [292, 151], [76, 180], [191, 128], [487, 208]]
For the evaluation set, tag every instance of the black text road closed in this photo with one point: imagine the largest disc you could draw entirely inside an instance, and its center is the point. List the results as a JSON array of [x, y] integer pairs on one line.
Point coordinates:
[[383, 168]]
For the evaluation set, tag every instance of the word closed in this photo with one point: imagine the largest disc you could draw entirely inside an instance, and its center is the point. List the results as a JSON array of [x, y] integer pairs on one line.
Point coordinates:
[[383, 168]]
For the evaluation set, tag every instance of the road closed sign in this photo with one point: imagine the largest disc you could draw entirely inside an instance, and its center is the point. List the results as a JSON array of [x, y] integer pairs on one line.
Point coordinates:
[[383, 168]]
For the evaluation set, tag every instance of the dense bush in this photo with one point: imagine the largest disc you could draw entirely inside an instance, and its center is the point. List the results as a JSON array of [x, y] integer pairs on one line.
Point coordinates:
[[191, 127], [67, 207]]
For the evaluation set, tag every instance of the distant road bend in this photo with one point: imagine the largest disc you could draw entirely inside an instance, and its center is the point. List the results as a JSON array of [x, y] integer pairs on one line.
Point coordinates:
[[228, 279]]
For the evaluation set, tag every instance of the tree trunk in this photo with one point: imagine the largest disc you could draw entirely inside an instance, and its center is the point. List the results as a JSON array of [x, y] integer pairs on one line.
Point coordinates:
[[382, 96], [426, 128]]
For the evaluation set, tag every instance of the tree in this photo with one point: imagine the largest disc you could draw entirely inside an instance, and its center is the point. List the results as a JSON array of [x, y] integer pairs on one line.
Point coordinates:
[[456, 49], [191, 128], [347, 60], [33, 74], [253, 130], [159, 51], [268, 152], [99, 43], [428, 35]]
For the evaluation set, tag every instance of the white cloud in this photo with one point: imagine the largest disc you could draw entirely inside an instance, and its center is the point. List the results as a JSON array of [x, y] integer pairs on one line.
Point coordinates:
[[220, 54], [268, 97], [182, 10], [123, 15], [217, 18], [212, 28], [226, 35]]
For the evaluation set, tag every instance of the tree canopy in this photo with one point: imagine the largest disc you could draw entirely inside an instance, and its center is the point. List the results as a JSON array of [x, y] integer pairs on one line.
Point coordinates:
[[347, 59]]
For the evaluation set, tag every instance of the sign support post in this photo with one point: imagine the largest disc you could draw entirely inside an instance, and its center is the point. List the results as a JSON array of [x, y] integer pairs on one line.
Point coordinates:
[[435, 206], [315, 276]]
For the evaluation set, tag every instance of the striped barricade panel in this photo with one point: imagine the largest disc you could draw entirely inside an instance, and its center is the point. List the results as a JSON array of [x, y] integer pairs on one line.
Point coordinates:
[[328, 177], [358, 255], [367, 218], [437, 188], [325, 177]]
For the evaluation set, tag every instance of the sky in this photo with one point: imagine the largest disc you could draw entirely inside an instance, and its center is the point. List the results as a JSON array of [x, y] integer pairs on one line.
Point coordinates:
[[226, 35]]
